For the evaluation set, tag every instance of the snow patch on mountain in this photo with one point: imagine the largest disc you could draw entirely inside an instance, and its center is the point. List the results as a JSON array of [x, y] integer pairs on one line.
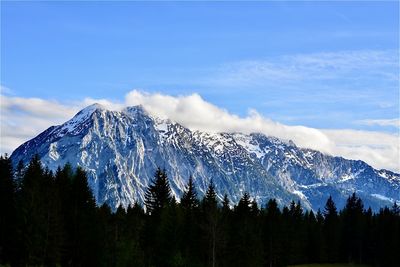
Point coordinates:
[[120, 150]]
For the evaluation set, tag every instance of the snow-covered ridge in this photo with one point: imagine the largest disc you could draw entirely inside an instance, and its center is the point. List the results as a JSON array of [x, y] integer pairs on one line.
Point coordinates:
[[121, 149]]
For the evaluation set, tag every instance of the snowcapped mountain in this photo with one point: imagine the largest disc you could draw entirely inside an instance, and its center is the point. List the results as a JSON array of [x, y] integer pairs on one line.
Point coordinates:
[[121, 150]]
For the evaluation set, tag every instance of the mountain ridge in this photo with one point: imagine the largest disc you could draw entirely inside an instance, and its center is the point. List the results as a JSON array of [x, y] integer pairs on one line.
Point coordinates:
[[120, 150]]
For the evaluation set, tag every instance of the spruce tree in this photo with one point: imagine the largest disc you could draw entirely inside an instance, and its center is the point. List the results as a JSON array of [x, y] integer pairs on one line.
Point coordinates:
[[158, 194], [246, 246], [226, 203], [7, 212], [211, 223], [32, 213], [353, 229], [331, 230], [243, 207], [210, 199], [189, 198], [84, 228], [272, 234]]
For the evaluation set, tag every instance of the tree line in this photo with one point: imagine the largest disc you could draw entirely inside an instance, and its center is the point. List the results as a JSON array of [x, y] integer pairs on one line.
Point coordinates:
[[51, 219]]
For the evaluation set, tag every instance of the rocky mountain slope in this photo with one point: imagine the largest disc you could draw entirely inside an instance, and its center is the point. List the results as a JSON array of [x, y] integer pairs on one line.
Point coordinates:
[[121, 150]]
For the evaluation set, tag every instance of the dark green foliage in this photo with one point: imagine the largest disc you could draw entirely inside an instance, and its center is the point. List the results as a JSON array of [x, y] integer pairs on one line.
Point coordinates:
[[7, 211], [246, 243], [353, 229], [210, 199], [158, 195], [272, 234], [51, 219], [189, 198], [210, 223], [331, 231]]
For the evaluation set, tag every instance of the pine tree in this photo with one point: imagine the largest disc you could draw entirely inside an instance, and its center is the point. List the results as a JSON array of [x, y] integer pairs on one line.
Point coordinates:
[[210, 199], [254, 210], [225, 231], [247, 245], [272, 234], [158, 200], [190, 233], [84, 228], [330, 209], [7, 212], [243, 207], [189, 198], [314, 237], [211, 223], [353, 229], [226, 203], [32, 214], [331, 230], [158, 194]]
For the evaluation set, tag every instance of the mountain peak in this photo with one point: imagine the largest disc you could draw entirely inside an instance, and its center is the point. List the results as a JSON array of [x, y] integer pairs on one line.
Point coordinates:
[[93, 107], [80, 117], [135, 111], [121, 150]]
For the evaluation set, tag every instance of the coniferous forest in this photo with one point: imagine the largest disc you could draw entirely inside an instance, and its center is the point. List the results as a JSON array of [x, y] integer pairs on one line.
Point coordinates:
[[51, 219]]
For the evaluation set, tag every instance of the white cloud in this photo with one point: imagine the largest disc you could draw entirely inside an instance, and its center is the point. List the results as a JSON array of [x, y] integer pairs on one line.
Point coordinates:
[[381, 122], [23, 118]]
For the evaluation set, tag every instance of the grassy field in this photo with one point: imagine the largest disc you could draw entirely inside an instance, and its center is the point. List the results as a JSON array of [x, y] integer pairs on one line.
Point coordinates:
[[329, 265]]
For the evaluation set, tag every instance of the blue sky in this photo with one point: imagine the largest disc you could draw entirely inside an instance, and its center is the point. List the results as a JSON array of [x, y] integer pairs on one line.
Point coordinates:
[[325, 65]]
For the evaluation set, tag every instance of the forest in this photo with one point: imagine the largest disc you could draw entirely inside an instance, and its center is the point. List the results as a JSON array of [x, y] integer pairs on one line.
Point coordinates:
[[51, 219]]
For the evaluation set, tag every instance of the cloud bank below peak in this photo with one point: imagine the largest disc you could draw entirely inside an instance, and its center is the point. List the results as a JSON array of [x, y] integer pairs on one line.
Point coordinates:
[[24, 118]]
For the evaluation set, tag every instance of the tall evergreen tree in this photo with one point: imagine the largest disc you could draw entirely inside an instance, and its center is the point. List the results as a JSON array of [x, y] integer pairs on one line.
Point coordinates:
[[226, 204], [243, 207], [210, 199], [247, 245], [84, 228], [225, 231], [211, 223], [32, 213], [158, 201], [331, 230], [190, 230], [189, 198], [272, 234], [314, 237], [297, 232], [353, 229], [158, 194], [7, 212]]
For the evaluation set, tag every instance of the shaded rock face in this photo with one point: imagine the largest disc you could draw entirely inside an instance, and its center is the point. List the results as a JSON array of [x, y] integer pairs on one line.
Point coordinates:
[[121, 150]]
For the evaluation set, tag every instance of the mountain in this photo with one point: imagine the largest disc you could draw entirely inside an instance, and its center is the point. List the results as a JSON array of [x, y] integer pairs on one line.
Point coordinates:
[[120, 150]]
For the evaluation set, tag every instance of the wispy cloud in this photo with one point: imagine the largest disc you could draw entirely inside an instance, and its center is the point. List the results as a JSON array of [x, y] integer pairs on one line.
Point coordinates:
[[5, 90], [23, 118], [342, 65], [381, 122]]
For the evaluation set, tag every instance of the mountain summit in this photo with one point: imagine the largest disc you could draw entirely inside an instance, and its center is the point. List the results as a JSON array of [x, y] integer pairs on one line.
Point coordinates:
[[120, 150]]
